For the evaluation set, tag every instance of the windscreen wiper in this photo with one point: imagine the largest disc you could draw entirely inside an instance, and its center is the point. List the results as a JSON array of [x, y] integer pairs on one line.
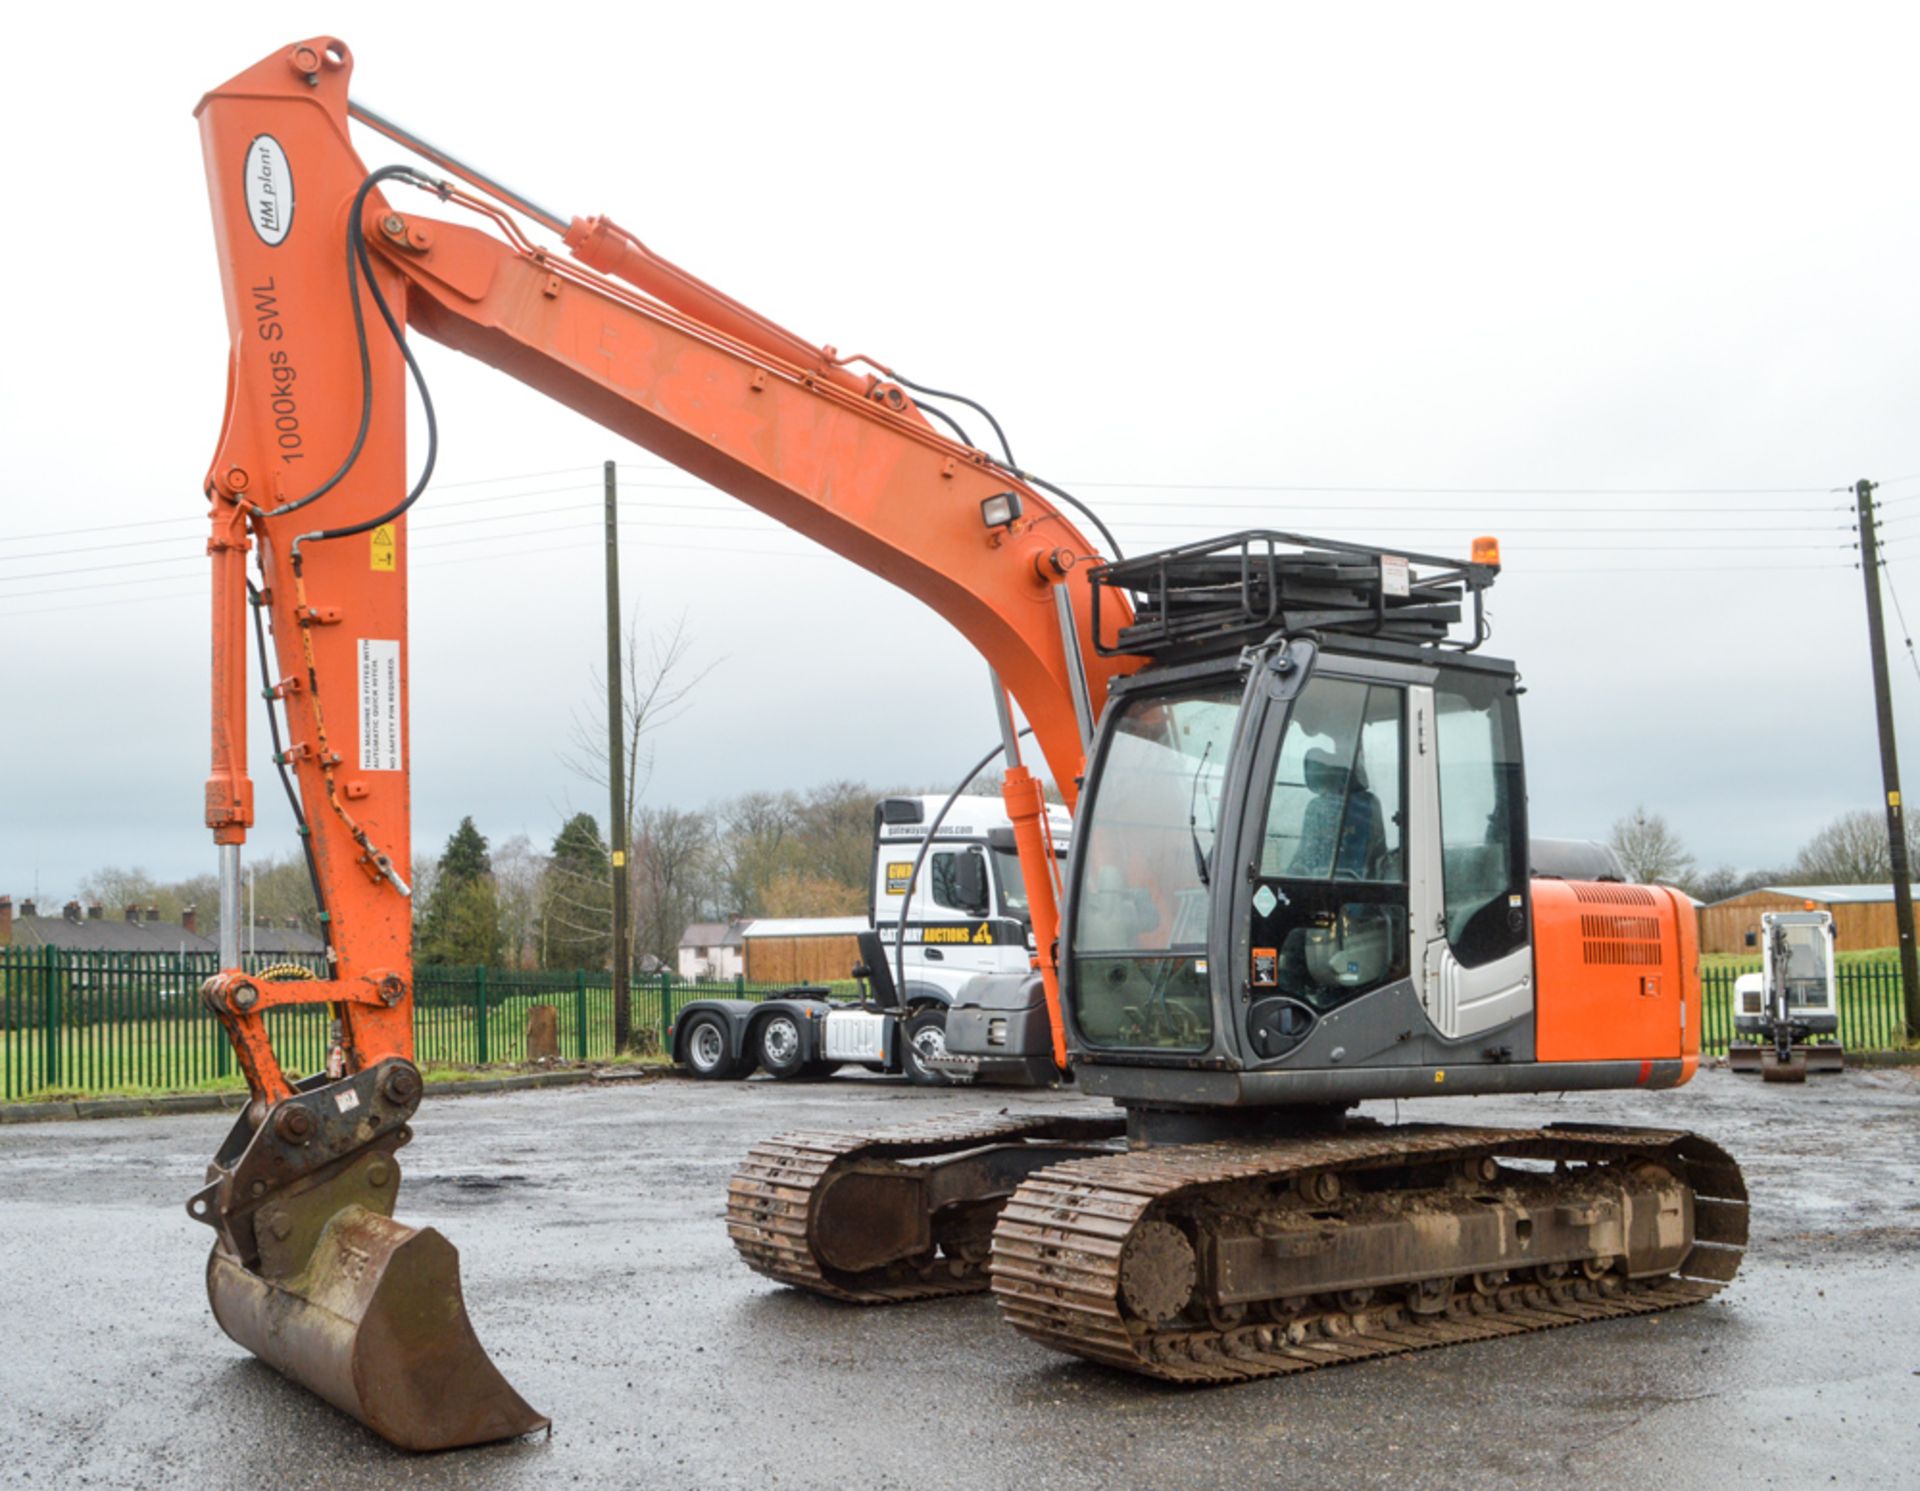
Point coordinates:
[[1193, 819]]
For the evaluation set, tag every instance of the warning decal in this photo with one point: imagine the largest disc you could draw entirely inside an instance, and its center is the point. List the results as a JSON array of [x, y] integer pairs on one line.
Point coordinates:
[[379, 705], [899, 872], [382, 547]]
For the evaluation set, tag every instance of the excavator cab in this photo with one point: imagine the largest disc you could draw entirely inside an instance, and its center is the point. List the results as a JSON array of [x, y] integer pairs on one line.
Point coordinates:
[[1301, 874], [1331, 817], [1294, 814]]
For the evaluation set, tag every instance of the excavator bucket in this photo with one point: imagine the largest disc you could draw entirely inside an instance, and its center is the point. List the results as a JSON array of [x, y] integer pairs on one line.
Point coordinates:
[[375, 1324], [316, 1278], [1792, 1069]]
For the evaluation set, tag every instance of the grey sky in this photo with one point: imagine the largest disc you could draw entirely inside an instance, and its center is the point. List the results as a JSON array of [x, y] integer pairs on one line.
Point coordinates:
[[1200, 248]]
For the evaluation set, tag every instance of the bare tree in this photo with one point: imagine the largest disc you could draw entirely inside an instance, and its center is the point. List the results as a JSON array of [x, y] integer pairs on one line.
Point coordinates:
[[426, 871], [673, 860], [115, 888], [1725, 882], [657, 689], [1651, 851], [835, 821], [755, 829], [276, 887], [1851, 850], [518, 872], [795, 893]]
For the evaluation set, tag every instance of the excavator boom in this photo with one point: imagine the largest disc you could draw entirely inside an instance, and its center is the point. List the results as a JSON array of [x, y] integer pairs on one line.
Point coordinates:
[[326, 266]]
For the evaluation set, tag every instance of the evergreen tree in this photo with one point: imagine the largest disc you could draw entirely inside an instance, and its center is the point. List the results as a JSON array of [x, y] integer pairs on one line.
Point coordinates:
[[461, 923], [576, 898], [465, 858]]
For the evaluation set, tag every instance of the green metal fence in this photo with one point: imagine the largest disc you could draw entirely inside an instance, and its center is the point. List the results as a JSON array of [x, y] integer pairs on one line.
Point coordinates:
[[133, 1022], [1871, 1014], [78, 1022]]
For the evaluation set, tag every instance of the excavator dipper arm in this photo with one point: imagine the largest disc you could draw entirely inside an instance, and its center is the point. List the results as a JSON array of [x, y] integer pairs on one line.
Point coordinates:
[[324, 272]]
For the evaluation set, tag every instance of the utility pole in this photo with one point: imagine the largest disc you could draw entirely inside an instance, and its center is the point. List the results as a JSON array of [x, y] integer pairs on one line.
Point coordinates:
[[1889, 760], [617, 775]]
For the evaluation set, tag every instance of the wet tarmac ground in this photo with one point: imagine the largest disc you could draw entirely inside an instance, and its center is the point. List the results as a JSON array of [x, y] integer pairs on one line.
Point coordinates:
[[599, 1274]]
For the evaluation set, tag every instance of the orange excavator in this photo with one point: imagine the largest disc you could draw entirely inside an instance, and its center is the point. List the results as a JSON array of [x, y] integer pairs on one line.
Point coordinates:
[[1300, 875]]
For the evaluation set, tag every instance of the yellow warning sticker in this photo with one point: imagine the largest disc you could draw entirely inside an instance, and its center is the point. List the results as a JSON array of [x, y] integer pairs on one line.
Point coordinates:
[[1893, 799], [383, 547], [619, 859], [899, 872]]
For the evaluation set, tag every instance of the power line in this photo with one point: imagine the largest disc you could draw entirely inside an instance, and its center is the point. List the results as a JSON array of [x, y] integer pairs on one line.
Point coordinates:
[[1342, 509], [1133, 524], [438, 486], [749, 526], [734, 510], [1389, 490], [814, 552], [1906, 632], [141, 600], [1480, 510]]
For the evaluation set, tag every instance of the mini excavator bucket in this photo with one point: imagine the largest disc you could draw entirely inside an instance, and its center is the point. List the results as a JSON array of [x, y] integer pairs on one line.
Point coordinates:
[[313, 1276], [1789, 1068]]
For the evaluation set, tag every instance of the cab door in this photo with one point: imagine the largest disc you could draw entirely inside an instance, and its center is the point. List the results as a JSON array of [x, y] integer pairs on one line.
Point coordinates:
[[1469, 890], [1329, 903]]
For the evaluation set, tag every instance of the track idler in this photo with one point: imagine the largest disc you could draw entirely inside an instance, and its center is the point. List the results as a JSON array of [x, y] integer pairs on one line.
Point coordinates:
[[312, 1274]]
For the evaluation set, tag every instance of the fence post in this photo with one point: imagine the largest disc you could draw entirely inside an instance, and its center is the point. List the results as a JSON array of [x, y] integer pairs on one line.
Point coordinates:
[[50, 963], [739, 986], [222, 1047], [480, 1010], [666, 1003], [580, 1010]]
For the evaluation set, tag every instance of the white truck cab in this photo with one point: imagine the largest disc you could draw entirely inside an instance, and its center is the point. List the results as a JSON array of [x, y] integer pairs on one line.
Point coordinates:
[[968, 912], [963, 916]]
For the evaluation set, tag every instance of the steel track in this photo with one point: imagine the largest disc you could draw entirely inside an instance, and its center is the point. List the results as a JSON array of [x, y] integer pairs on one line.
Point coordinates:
[[770, 1199], [1059, 1243]]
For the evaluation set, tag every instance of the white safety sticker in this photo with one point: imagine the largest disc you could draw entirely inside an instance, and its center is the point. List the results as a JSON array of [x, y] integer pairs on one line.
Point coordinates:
[[346, 1101], [379, 705], [1394, 579]]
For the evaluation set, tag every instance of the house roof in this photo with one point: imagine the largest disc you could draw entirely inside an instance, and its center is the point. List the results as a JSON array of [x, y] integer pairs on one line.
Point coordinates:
[[1825, 895], [712, 934], [266, 939], [1836, 895], [103, 934]]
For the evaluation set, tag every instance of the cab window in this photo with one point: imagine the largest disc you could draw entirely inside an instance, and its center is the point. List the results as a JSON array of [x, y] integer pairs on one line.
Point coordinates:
[[941, 879], [1483, 834], [1330, 909], [1335, 810]]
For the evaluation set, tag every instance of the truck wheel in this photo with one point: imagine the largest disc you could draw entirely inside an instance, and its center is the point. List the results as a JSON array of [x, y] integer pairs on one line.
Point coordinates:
[[924, 1035], [708, 1045], [780, 1046]]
